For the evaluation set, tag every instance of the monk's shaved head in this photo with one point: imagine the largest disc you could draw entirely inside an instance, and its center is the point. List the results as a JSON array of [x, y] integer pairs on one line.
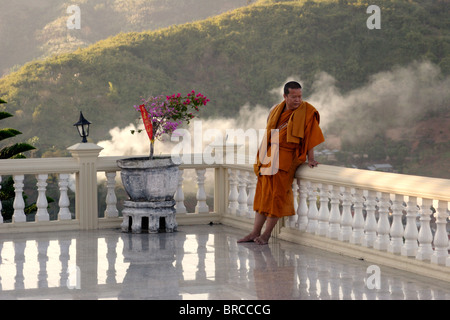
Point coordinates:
[[291, 85]]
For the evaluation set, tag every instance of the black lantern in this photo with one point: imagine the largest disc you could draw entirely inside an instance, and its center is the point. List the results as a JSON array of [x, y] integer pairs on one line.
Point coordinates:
[[83, 127]]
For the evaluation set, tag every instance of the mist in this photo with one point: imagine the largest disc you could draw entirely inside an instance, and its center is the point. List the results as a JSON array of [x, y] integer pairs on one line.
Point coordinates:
[[390, 99]]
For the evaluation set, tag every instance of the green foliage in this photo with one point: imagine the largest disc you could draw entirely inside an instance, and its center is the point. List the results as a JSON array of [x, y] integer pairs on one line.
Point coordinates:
[[14, 151]]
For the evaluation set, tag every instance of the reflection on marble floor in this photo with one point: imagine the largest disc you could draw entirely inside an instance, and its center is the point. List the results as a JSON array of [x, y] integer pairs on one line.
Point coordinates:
[[197, 262]]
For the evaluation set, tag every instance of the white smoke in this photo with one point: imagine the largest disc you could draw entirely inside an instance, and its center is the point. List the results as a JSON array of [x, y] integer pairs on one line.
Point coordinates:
[[389, 99]]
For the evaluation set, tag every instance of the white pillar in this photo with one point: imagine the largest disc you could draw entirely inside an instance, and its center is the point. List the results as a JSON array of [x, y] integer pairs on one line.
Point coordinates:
[[324, 212], [111, 199], [410, 246], [370, 227], [441, 237], [64, 202], [242, 196], [358, 218], [313, 212], [425, 236], [179, 194], [41, 202], [19, 203], [233, 196], [383, 227], [334, 228], [346, 218], [251, 181], [302, 210], [396, 230], [201, 206], [86, 200]]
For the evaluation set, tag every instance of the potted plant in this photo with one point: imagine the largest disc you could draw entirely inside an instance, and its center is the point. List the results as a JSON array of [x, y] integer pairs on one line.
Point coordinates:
[[151, 181]]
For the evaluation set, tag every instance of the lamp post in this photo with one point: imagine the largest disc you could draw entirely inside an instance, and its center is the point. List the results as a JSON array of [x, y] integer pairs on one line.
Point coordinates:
[[83, 127]]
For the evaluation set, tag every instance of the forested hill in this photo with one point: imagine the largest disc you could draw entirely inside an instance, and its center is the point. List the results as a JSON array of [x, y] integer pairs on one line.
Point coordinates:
[[235, 58], [38, 28]]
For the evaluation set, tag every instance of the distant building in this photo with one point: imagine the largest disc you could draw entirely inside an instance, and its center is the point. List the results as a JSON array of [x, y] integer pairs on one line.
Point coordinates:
[[385, 167]]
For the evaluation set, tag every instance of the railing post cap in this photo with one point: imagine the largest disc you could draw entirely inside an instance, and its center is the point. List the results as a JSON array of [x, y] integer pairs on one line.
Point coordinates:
[[85, 149]]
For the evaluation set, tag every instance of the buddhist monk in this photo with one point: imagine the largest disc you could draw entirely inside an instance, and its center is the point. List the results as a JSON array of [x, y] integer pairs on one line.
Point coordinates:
[[292, 132]]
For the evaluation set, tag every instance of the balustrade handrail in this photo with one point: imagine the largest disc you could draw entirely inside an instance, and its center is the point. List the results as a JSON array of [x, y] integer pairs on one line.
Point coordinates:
[[38, 165], [395, 183]]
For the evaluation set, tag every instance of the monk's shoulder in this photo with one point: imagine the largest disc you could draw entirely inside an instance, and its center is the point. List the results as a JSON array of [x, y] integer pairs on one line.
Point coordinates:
[[310, 107]]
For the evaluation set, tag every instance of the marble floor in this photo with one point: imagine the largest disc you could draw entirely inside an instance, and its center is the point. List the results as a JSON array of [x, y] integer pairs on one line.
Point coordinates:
[[195, 263]]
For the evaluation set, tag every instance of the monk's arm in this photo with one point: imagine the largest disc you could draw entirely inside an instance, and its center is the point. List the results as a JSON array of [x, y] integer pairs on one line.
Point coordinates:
[[311, 162]]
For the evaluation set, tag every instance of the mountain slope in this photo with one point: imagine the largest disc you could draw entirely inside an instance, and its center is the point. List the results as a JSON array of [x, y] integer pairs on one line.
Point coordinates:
[[234, 58]]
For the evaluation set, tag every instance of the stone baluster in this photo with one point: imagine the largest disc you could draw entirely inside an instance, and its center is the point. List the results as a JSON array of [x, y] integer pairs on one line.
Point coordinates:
[[1, 217], [201, 206], [382, 241], [302, 210], [313, 212], [346, 217], [242, 196], [111, 199], [179, 194], [64, 202], [396, 230], [410, 234], [324, 212], [41, 202], [292, 220], [358, 218], [425, 249], [440, 237], [335, 216], [251, 181], [370, 227], [233, 195], [19, 203]]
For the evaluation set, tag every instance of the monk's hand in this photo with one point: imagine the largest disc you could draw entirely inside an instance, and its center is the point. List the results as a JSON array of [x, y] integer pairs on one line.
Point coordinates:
[[312, 163]]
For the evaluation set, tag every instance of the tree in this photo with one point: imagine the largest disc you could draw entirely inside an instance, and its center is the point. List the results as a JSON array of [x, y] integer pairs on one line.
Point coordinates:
[[14, 151]]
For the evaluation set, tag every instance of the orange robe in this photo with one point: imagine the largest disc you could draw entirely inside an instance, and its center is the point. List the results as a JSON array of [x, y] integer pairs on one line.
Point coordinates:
[[298, 131]]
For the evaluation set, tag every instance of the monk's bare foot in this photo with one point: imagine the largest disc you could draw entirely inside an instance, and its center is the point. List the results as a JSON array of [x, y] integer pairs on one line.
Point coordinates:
[[249, 238], [261, 240]]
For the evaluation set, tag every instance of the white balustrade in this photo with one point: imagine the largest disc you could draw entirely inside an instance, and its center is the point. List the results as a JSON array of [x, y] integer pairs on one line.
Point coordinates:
[[344, 213]]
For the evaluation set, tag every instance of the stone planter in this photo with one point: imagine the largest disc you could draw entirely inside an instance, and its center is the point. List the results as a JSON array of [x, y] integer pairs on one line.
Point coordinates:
[[151, 186]]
